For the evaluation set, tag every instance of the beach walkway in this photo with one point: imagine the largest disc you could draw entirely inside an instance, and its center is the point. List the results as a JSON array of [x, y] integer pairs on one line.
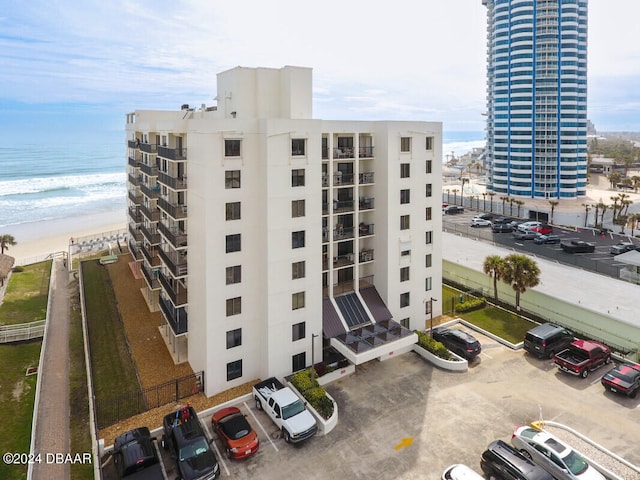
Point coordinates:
[[51, 434]]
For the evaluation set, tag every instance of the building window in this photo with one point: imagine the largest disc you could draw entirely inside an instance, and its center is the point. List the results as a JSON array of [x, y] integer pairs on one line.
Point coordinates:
[[298, 331], [428, 307], [234, 274], [404, 274], [429, 237], [404, 322], [405, 170], [429, 143], [297, 300], [232, 179], [428, 190], [429, 166], [427, 284], [405, 196], [298, 362], [234, 338], [297, 239], [297, 208], [404, 299], [297, 146], [404, 222], [232, 148], [427, 260], [297, 177], [428, 213], [234, 306], [233, 211], [233, 243], [297, 270], [234, 370], [405, 144]]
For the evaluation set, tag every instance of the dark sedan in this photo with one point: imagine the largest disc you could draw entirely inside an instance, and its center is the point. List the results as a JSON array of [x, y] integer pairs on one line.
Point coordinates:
[[502, 228], [624, 378], [459, 342]]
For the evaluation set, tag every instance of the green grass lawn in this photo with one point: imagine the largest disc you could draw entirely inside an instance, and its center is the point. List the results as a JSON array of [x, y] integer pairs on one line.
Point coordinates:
[[113, 369], [27, 293], [17, 395]]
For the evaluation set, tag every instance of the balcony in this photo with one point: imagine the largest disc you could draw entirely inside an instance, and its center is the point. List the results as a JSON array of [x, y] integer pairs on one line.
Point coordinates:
[[366, 178], [175, 211], [153, 215], [365, 152], [176, 289], [151, 234], [172, 153], [366, 256], [343, 260], [150, 253], [340, 206], [176, 237], [135, 196], [343, 152], [133, 162], [148, 147], [343, 178], [365, 229], [136, 234], [150, 192], [150, 275], [134, 215], [133, 143], [325, 180], [366, 203], [176, 317], [174, 183], [151, 170], [134, 180], [134, 249], [342, 287], [342, 233], [175, 262]]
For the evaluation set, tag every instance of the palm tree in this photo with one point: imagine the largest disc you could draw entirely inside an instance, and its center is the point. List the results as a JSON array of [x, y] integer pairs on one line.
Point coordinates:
[[614, 178], [6, 241], [633, 221], [554, 204], [493, 265], [615, 205], [521, 273], [492, 194], [519, 203], [636, 182], [504, 199], [587, 208], [603, 209]]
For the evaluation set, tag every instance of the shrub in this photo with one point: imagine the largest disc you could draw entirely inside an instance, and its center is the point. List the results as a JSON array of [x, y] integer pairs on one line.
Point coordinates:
[[472, 304], [435, 347], [305, 381]]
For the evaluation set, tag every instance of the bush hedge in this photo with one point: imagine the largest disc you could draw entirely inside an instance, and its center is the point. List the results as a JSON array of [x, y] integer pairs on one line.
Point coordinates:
[[435, 347], [471, 304], [307, 384]]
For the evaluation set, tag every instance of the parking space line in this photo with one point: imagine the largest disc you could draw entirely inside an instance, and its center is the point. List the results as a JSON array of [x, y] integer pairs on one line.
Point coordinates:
[[597, 380], [261, 427], [213, 443], [486, 355]]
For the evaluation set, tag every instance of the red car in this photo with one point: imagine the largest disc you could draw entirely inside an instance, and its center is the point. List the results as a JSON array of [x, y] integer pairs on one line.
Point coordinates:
[[543, 229], [624, 378], [240, 441]]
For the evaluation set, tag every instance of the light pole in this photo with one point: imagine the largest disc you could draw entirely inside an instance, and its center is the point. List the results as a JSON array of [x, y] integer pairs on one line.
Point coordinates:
[[313, 365], [431, 300]]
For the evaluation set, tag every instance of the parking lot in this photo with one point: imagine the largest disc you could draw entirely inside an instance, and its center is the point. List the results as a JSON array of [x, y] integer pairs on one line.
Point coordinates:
[[405, 419]]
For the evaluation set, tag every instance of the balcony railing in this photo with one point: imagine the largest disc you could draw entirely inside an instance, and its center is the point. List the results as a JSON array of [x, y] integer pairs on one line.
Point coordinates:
[[151, 170], [134, 215], [176, 290], [343, 152], [134, 249], [343, 233], [172, 182], [364, 230], [342, 205], [148, 147], [343, 260], [366, 256], [134, 180], [176, 316], [342, 287], [366, 203], [133, 143], [175, 262], [133, 162], [176, 237], [136, 234], [325, 180], [366, 178], [152, 214], [135, 196], [175, 211], [151, 234], [150, 253], [365, 152], [172, 153], [151, 275], [151, 192], [343, 178]]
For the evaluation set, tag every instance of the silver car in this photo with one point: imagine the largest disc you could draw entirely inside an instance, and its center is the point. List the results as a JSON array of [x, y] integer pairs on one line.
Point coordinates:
[[555, 456], [460, 472]]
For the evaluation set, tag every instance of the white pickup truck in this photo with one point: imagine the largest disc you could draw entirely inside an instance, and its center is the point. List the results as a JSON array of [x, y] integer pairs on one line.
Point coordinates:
[[285, 409]]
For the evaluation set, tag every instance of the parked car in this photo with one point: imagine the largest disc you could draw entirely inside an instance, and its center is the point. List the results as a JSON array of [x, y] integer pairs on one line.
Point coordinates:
[[480, 222], [501, 460], [135, 457], [524, 234], [184, 436], [528, 225], [545, 340], [459, 342], [543, 229], [232, 427], [625, 378], [501, 228], [484, 216], [540, 239], [460, 472], [452, 210], [577, 246], [555, 456], [582, 357], [502, 220], [621, 247]]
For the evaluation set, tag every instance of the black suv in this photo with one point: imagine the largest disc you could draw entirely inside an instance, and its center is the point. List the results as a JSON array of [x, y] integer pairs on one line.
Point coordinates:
[[459, 342], [503, 461], [184, 436], [546, 340], [135, 457]]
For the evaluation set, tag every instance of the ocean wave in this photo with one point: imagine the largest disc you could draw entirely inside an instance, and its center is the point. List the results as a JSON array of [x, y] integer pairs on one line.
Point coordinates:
[[461, 147], [43, 185]]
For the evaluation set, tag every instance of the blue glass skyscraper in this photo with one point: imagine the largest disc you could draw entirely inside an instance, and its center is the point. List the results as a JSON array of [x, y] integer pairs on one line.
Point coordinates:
[[537, 97]]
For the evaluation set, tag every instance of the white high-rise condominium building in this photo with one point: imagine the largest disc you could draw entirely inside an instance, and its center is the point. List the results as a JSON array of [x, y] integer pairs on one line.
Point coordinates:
[[266, 236], [537, 97]]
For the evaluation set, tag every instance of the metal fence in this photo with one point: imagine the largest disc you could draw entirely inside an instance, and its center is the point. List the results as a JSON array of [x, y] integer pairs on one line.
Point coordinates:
[[110, 411], [22, 331]]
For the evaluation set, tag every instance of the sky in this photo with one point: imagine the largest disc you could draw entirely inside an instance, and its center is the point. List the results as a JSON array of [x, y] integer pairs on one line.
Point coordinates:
[[70, 67]]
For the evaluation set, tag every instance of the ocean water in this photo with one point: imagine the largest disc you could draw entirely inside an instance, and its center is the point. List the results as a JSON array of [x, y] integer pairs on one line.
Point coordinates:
[[67, 178]]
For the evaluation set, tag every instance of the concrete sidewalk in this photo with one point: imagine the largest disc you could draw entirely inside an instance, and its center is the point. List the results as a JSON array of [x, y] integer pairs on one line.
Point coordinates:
[[51, 435]]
